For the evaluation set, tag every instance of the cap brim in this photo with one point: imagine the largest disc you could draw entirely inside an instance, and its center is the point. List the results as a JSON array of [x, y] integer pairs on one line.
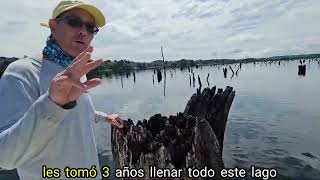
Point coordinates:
[[44, 25]]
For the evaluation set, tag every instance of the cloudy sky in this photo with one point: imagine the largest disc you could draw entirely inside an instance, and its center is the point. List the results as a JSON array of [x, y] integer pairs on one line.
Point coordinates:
[[191, 29]]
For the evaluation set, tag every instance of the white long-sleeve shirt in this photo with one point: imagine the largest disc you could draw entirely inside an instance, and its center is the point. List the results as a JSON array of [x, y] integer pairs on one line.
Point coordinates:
[[34, 131]]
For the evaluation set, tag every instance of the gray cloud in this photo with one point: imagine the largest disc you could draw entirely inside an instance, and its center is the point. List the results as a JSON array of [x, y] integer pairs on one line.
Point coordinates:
[[251, 15], [236, 51], [192, 29], [199, 9]]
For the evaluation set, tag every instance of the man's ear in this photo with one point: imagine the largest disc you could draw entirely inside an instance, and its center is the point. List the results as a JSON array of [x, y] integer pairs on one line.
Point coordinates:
[[52, 25]]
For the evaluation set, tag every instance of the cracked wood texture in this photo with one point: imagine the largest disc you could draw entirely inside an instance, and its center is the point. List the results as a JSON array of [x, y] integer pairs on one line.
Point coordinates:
[[193, 138]]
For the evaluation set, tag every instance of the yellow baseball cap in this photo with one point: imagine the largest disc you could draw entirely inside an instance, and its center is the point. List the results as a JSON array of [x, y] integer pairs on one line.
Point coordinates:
[[68, 5]]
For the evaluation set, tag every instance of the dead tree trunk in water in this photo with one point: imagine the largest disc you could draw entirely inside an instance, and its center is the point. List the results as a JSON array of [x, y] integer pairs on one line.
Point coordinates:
[[165, 74], [159, 75], [302, 70], [134, 77], [193, 79], [193, 138]]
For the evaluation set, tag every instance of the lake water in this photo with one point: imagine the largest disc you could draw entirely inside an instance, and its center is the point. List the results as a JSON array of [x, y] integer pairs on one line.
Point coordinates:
[[274, 120]]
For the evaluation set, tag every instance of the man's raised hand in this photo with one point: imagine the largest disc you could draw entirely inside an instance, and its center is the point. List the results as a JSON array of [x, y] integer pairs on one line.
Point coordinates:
[[66, 87]]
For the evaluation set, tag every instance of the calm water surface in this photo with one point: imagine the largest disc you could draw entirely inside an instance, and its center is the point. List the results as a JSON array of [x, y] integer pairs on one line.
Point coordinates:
[[274, 120]]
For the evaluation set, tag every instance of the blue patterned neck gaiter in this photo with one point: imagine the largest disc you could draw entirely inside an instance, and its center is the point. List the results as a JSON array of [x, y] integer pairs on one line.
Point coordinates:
[[54, 53]]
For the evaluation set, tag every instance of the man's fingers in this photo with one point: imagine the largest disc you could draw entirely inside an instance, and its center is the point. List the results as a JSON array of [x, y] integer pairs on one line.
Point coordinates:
[[74, 93], [115, 120], [90, 66], [120, 121], [80, 62], [69, 81], [88, 49], [81, 67], [117, 124], [92, 83]]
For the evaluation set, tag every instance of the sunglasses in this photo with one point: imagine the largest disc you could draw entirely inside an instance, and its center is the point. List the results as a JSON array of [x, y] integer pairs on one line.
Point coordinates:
[[76, 22]]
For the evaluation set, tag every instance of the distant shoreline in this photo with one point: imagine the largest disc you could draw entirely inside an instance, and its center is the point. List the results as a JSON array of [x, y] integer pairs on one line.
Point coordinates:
[[123, 67]]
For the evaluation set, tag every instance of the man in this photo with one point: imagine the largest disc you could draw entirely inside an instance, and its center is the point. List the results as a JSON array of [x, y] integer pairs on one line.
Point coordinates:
[[46, 113]]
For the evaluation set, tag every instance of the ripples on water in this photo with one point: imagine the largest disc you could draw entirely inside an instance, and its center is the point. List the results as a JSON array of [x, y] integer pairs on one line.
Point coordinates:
[[273, 123]]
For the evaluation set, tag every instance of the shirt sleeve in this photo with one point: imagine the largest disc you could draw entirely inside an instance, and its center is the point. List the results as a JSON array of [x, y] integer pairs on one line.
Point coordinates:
[[99, 116], [27, 123]]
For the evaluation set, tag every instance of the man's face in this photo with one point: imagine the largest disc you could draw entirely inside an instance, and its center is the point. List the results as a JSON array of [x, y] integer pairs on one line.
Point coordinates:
[[72, 40]]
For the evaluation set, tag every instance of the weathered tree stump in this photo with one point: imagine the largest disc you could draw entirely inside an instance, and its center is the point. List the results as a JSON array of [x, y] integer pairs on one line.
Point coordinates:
[[192, 139]]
